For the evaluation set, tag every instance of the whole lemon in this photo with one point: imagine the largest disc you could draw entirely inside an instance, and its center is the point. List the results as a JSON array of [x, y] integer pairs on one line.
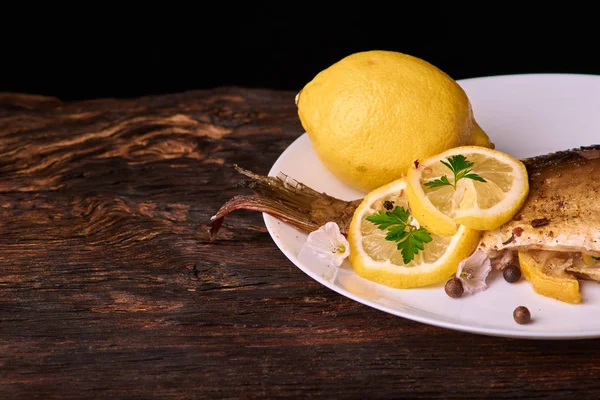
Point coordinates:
[[373, 113]]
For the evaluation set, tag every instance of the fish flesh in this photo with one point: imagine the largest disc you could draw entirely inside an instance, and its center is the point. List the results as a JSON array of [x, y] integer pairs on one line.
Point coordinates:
[[560, 214]]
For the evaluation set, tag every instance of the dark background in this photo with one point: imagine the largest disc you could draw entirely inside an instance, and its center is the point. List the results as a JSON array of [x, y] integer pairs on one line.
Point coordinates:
[[87, 55]]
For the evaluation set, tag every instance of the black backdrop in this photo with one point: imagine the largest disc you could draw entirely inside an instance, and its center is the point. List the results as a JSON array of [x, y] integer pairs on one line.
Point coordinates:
[[179, 49]]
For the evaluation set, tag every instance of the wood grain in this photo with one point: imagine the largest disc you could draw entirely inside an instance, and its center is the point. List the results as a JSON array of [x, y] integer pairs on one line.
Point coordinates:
[[110, 287]]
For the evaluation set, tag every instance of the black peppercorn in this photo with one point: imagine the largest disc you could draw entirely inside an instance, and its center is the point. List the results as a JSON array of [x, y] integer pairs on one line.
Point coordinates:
[[512, 273], [454, 288], [522, 315], [388, 205]]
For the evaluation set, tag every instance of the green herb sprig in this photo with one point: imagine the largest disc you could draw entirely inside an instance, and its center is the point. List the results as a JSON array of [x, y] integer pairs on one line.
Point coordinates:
[[410, 238], [460, 167]]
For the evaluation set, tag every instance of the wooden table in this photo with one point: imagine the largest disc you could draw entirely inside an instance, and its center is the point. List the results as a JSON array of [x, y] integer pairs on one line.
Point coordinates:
[[111, 288]]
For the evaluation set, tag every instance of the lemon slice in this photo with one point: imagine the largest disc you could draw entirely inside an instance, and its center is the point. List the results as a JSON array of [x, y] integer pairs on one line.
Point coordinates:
[[377, 259], [494, 187], [545, 270]]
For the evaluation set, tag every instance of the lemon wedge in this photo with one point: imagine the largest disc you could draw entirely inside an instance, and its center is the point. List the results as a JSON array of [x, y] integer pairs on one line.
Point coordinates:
[[545, 270], [474, 186], [379, 260], [590, 260]]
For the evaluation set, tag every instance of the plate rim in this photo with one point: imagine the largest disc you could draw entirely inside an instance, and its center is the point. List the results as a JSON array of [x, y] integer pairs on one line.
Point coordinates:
[[460, 327]]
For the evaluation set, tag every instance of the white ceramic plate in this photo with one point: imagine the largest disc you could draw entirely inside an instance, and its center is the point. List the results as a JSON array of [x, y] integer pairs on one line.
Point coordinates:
[[525, 115]]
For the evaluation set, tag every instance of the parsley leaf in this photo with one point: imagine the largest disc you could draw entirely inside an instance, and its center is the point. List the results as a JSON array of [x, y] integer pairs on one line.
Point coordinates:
[[385, 219], [475, 177], [460, 167], [413, 243], [396, 233], [410, 238], [443, 181]]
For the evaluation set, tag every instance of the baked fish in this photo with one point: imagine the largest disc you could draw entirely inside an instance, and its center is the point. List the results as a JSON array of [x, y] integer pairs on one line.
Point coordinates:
[[561, 213]]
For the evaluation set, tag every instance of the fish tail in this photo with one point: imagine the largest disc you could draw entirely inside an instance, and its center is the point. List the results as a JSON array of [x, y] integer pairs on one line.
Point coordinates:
[[281, 197]]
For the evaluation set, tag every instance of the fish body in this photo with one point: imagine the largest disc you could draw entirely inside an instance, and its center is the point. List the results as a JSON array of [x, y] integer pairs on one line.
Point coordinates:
[[561, 213], [562, 210]]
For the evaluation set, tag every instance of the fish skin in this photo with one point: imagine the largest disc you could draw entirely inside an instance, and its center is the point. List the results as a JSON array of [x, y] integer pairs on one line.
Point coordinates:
[[563, 202]]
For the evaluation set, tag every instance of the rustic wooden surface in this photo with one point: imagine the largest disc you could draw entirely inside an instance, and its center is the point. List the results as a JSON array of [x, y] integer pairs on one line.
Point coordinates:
[[110, 288]]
